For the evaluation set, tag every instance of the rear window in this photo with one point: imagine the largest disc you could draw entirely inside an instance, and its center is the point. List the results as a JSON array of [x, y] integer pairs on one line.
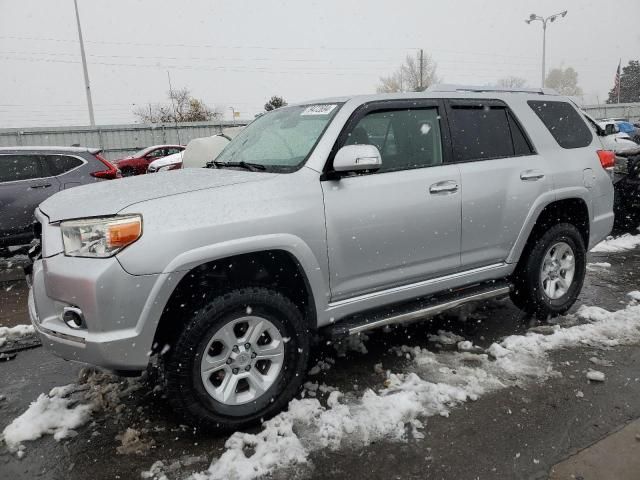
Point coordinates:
[[59, 164], [564, 123]]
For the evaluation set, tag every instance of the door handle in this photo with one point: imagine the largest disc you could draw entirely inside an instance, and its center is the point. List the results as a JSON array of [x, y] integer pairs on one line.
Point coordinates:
[[531, 175], [42, 185], [448, 186]]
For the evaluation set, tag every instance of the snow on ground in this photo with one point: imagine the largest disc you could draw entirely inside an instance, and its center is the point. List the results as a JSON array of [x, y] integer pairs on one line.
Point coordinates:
[[434, 385], [10, 334], [446, 338], [617, 244], [598, 266], [66, 408]]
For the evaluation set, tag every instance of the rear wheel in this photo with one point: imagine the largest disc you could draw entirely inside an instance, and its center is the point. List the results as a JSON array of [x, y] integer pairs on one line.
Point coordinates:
[[127, 172], [241, 358], [551, 272]]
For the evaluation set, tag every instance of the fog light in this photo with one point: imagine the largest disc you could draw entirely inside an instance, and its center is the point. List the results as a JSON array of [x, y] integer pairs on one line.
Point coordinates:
[[73, 317]]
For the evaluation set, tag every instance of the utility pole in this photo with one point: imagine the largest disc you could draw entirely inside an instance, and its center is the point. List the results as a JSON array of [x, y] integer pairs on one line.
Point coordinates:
[[551, 18], [544, 52], [421, 68], [84, 68]]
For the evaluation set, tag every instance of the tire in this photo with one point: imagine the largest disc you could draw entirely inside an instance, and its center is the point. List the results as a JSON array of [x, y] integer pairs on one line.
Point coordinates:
[[196, 396], [127, 172], [529, 293]]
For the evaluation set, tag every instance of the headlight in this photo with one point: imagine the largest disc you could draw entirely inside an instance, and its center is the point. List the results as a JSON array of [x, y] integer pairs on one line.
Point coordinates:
[[100, 237]]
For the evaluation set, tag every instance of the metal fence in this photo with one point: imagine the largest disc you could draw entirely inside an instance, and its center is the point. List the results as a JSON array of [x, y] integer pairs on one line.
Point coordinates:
[[116, 140], [630, 111], [122, 140]]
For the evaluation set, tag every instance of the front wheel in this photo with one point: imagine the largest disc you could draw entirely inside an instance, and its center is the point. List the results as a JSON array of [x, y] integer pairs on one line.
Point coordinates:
[[551, 272], [241, 358]]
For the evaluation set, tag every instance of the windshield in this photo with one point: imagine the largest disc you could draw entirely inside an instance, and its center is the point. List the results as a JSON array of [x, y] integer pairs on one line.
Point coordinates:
[[281, 139], [142, 153]]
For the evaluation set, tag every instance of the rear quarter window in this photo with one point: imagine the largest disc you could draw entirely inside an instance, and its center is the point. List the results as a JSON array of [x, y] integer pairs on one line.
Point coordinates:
[[563, 122], [60, 164]]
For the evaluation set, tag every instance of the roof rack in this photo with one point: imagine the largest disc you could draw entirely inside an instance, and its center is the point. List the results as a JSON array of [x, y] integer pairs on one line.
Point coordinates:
[[479, 89]]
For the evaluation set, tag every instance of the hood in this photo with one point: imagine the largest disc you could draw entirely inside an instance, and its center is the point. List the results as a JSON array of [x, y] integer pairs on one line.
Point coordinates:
[[109, 197]]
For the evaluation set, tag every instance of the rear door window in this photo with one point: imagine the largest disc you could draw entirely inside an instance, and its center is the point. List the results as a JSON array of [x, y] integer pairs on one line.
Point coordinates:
[[19, 167], [480, 132], [60, 164], [563, 122]]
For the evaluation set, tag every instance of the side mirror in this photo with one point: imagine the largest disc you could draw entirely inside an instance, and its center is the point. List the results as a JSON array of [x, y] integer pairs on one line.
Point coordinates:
[[357, 158]]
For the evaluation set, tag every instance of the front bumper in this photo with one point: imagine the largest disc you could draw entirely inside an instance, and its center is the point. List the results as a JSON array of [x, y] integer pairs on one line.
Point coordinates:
[[121, 310]]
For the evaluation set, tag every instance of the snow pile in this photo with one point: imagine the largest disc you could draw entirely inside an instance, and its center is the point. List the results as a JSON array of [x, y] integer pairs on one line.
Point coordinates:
[[49, 414], [598, 266], [618, 244], [66, 408], [11, 334], [438, 383], [446, 338]]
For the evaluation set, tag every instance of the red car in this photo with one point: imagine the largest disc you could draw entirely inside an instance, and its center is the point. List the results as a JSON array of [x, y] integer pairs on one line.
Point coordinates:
[[137, 163]]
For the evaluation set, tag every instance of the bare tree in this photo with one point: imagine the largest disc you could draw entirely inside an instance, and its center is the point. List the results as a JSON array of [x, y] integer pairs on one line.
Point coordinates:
[[182, 107], [275, 102], [564, 81], [511, 82], [410, 77]]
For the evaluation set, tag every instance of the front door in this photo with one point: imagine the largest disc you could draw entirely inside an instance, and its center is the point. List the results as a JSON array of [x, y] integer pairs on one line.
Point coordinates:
[[400, 224]]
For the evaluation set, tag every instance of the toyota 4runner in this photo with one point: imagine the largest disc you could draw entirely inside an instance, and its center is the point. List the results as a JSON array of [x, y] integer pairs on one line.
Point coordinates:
[[341, 215]]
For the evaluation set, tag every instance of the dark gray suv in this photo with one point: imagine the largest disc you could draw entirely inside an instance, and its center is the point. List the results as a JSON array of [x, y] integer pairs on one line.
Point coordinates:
[[29, 175]]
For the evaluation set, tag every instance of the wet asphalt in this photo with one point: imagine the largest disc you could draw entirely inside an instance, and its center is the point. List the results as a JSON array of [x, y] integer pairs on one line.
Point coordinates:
[[516, 433]]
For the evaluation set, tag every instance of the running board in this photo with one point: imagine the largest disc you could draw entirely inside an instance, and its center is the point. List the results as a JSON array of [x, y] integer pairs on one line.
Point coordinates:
[[418, 310]]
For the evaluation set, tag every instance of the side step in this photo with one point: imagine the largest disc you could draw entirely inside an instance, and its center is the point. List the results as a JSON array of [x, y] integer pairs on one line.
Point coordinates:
[[419, 309]]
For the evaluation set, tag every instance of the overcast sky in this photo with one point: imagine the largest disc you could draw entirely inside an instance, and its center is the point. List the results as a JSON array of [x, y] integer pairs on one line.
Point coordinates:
[[237, 53]]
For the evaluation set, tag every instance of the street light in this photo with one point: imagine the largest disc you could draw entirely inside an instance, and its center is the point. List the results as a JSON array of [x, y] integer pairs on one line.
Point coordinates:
[[552, 18]]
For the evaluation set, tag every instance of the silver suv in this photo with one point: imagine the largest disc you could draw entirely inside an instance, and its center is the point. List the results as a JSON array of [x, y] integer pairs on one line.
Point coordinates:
[[340, 215]]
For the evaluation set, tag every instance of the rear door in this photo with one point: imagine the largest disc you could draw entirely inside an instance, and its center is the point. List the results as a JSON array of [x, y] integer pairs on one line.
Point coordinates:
[[501, 177], [24, 184], [67, 169], [400, 224]]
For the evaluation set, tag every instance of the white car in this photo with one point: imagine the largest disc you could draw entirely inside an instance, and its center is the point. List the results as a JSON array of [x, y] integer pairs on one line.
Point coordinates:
[[614, 139], [198, 153], [170, 162]]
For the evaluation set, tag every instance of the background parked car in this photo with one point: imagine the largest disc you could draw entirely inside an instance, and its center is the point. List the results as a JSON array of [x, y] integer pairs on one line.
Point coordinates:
[[614, 139], [138, 163], [630, 129], [200, 151], [28, 175], [164, 164], [626, 182]]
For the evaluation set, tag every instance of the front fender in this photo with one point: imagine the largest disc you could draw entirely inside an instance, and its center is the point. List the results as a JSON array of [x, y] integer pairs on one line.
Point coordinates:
[[289, 243]]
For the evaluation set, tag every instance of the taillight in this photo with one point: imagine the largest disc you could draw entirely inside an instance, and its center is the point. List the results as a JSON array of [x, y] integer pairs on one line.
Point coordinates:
[[110, 173], [607, 158]]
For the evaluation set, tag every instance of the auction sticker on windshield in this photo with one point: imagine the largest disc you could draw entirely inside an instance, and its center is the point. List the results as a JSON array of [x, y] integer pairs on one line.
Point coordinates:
[[324, 109]]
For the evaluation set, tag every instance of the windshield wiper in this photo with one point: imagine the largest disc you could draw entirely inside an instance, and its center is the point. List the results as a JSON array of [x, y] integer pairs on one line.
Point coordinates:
[[246, 165]]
